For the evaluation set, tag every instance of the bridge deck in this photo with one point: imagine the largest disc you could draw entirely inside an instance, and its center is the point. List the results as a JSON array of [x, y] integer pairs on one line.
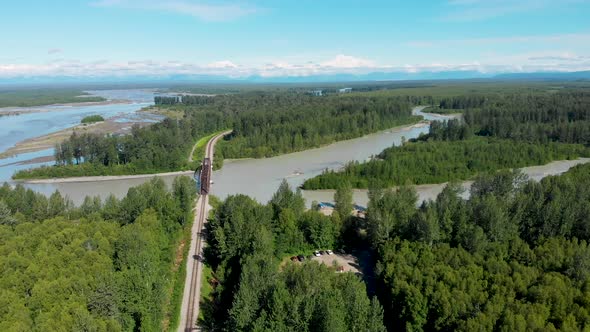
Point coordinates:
[[206, 176]]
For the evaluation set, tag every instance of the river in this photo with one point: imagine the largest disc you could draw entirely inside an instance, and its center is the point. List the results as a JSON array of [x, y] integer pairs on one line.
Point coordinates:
[[259, 178], [43, 120]]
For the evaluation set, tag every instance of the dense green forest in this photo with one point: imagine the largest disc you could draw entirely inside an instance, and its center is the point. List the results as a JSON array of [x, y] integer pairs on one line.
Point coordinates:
[[263, 125], [269, 125], [513, 257], [39, 97], [103, 266], [498, 132], [256, 292], [435, 161], [561, 117]]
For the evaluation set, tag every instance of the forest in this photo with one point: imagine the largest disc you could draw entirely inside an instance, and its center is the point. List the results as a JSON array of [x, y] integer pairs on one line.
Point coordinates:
[[259, 289], [497, 132], [510, 255], [264, 124], [514, 256], [425, 162], [103, 266]]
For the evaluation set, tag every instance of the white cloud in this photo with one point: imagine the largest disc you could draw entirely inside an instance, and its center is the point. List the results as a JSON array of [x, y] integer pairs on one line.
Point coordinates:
[[199, 9], [222, 64], [54, 50], [340, 64], [347, 61]]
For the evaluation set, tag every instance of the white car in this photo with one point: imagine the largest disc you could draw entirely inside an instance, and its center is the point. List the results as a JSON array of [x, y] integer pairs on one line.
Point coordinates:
[[330, 252], [316, 253]]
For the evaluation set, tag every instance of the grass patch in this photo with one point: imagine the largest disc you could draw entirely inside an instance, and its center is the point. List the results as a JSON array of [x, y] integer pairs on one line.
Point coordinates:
[[199, 152], [84, 169], [175, 114], [178, 291]]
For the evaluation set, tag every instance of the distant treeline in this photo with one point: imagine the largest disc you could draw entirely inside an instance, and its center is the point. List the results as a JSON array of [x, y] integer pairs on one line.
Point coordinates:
[[559, 117], [505, 131], [38, 97], [104, 266], [183, 99], [264, 125]]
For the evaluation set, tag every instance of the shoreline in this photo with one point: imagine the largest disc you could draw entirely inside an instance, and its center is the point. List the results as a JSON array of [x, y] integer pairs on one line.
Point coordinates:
[[419, 124], [44, 142], [100, 178], [431, 190]]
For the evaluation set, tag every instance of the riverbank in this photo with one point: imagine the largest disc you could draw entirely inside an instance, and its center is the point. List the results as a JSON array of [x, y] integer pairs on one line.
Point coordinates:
[[13, 111], [418, 125], [258, 178], [109, 126], [102, 178]]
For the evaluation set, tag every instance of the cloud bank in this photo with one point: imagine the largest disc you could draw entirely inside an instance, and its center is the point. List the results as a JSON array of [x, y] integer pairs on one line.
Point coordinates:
[[340, 64]]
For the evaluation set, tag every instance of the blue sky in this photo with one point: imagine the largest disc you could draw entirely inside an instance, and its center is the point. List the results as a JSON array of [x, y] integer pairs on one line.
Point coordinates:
[[291, 37]]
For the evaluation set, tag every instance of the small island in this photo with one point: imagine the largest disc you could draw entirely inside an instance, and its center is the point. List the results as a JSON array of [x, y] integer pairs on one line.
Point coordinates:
[[92, 119]]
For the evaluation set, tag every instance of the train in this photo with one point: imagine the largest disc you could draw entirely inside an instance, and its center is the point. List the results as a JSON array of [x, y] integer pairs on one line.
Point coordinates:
[[205, 177]]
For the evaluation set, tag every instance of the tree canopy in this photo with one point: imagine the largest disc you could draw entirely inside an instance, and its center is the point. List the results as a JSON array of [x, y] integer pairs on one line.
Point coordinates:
[[103, 266]]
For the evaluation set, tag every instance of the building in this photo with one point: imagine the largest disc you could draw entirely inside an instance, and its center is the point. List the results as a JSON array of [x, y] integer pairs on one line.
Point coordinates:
[[359, 211], [317, 93], [326, 208], [345, 90]]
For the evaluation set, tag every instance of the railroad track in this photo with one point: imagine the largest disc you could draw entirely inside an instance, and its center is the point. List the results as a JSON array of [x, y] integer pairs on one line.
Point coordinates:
[[192, 289]]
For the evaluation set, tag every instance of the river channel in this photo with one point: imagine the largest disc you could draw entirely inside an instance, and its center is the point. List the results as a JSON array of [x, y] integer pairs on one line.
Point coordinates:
[[259, 178], [42, 120]]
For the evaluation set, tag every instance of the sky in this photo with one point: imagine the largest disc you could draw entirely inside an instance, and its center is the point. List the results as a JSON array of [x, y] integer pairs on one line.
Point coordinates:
[[241, 38]]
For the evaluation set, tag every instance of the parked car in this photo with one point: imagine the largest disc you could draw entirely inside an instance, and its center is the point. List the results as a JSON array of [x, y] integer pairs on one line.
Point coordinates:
[[301, 258], [329, 252], [316, 253], [294, 259]]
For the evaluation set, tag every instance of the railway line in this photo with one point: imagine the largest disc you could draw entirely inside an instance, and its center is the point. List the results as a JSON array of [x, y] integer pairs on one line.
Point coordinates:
[[192, 288]]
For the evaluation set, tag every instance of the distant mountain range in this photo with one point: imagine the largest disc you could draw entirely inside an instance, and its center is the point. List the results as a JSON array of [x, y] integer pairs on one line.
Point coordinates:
[[375, 76]]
